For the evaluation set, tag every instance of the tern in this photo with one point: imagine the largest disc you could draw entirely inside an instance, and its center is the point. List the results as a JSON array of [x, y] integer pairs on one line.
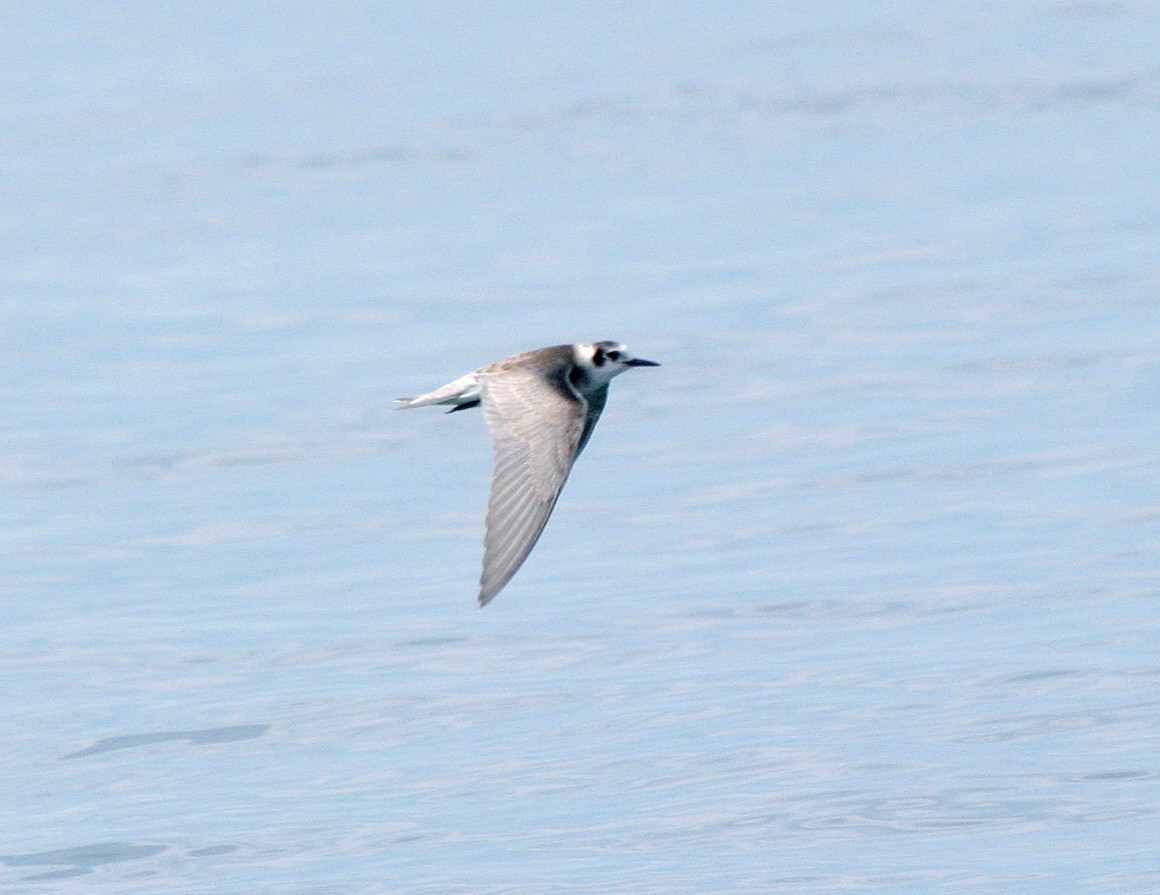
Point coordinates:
[[541, 407]]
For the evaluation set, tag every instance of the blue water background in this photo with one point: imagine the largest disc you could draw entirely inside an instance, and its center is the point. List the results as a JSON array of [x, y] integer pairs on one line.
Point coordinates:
[[857, 593]]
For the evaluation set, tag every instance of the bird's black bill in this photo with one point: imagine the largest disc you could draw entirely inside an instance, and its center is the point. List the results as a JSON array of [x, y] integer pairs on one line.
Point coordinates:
[[641, 362]]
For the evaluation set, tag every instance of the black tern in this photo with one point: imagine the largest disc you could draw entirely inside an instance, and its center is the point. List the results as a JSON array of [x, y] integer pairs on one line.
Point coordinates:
[[541, 408]]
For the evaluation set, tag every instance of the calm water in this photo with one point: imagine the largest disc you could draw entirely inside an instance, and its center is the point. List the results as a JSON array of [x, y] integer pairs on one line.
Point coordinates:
[[857, 593]]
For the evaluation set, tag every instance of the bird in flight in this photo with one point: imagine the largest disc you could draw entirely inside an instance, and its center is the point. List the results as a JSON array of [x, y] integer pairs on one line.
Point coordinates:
[[541, 408]]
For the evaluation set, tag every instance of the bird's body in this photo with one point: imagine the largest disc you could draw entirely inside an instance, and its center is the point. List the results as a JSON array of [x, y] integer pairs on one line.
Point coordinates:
[[541, 407]]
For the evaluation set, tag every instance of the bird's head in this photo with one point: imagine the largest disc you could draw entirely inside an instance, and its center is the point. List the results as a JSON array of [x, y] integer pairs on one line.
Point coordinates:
[[604, 360]]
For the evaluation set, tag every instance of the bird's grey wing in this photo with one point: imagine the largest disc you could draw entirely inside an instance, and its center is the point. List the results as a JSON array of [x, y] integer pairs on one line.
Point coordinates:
[[536, 423], [596, 402]]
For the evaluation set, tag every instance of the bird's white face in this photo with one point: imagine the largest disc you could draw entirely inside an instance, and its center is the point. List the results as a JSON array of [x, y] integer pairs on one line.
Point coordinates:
[[604, 360]]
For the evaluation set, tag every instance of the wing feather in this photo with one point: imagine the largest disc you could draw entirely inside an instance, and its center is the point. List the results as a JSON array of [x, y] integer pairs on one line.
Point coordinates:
[[536, 426]]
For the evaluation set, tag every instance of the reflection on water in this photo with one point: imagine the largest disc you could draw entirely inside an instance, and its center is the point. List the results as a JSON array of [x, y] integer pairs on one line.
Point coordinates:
[[193, 737], [81, 860]]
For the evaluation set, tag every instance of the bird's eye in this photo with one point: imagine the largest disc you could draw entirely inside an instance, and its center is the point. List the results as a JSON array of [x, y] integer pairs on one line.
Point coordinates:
[[613, 355]]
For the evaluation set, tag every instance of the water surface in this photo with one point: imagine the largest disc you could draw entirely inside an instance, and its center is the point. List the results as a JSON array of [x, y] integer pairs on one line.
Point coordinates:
[[856, 593]]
